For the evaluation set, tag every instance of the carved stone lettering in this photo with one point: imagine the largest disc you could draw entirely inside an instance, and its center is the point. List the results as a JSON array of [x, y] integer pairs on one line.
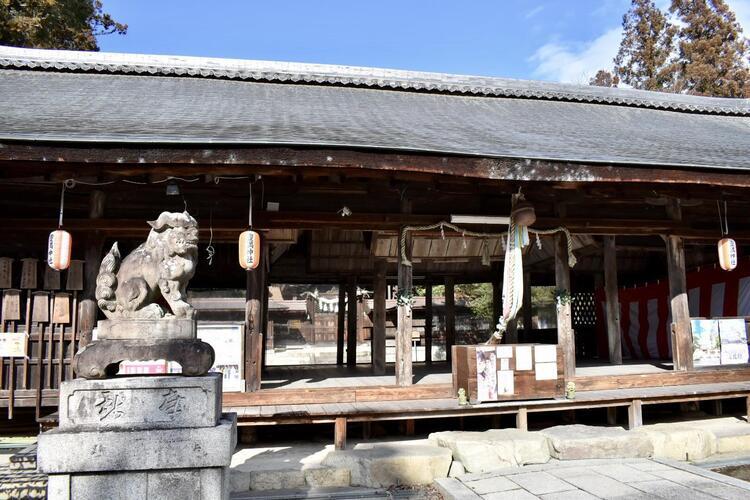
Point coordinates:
[[172, 404], [109, 405]]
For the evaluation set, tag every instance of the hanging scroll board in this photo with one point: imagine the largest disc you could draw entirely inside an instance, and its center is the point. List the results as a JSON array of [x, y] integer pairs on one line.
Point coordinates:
[[6, 272], [40, 308], [28, 273], [51, 278], [61, 308], [11, 305], [74, 281]]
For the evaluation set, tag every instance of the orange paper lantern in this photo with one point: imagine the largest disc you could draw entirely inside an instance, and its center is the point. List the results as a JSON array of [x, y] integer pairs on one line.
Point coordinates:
[[58, 249], [249, 249], [727, 254]]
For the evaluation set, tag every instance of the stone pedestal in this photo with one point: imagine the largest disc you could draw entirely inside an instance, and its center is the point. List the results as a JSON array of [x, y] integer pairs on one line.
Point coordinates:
[[160, 437]]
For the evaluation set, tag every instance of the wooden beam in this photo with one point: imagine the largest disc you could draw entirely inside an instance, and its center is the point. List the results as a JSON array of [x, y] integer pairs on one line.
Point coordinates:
[[378, 317], [614, 336], [428, 323], [341, 325], [565, 334], [227, 229], [180, 160], [339, 433], [682, 335], [404, 313], [351, 322], [450, 316], [527, 306], [256, 281]]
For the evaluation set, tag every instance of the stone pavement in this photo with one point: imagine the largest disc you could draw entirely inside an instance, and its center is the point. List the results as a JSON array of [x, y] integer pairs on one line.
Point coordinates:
[[636, 478]]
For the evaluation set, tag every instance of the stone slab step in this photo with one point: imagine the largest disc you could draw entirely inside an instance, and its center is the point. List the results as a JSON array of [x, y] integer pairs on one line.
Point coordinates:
[[313, 493], [268, 480]]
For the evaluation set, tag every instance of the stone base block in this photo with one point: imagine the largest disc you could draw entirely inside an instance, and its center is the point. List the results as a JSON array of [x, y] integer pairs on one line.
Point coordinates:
[[62, 451], [494, 449], [151, 329], [132, 403], [383, 465], [101, 359], [183, 484], [679, 442], [576, 442]]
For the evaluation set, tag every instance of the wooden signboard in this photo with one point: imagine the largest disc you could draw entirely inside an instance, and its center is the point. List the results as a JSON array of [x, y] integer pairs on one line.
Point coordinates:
[[508, 372], [6, 272]]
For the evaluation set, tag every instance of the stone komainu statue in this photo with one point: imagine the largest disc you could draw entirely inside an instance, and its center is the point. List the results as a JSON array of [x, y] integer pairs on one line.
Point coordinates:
[[163, 265]]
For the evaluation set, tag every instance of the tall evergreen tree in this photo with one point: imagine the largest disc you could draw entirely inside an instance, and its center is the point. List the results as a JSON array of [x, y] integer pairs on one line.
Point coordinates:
[[712, 50], [604, 78], [643, 61]]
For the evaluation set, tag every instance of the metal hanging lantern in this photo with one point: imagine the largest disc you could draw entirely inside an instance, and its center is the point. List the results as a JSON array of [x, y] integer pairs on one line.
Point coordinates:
[[726, 247], [59, 243], [249, 241]]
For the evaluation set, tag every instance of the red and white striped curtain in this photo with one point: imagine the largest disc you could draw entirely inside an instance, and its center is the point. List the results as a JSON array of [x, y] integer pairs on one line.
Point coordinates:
[[645, 315]]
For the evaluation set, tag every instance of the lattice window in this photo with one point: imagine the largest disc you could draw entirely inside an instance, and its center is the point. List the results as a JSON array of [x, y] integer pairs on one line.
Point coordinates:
[[583, 309]]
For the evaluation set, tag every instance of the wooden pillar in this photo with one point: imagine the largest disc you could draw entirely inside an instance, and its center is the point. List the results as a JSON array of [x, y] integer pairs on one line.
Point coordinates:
[[264, 310], [256, 283], [635, 414], [340, 325], [404, 325], [339, 433], [611, 415], [522, 420], [88, 311], [351, 322], [428, 323], [497, 302], [682, 335], [565, 335], [378, 317], [614, 337], [527, 312], [450, 316]]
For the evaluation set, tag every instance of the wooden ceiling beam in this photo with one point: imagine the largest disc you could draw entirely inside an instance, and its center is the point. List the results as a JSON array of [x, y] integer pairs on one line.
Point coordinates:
[[217, 160]]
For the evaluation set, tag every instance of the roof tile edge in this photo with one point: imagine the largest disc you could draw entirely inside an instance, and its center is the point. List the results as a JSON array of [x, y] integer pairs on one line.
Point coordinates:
[[380, 78]]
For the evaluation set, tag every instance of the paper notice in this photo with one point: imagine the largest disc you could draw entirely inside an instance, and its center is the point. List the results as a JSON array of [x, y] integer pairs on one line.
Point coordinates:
[[546, 371], [505, 351], [505, 382], [545, 353], [486, 374], [523, 357], [504, 364]]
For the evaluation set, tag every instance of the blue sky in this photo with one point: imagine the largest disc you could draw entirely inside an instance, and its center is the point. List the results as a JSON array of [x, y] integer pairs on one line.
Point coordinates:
[[559, 40]]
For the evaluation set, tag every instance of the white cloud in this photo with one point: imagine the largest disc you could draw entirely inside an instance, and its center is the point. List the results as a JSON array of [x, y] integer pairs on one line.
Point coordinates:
[[576, 63], [741, 9], [536, 10]]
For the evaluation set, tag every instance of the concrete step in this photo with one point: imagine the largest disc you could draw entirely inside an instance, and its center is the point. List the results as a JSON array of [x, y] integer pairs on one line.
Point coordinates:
[[313, 493]]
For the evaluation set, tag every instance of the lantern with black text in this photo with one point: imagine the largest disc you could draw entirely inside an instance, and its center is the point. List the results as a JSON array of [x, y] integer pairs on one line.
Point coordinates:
[[58, 249], [727, 254], [249, 249]]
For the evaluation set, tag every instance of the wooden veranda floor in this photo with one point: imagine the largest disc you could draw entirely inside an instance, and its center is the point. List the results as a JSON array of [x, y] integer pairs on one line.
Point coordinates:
[[328, 376]]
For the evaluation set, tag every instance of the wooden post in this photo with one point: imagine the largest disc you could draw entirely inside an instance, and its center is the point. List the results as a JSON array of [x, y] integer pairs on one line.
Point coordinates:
[[339, 433], [611, 415], [565, 335], [527, 312], [450, 316], [256, 282], [340, 325], [428, 323], [404, 326], [378, 317], [351, 322], [682, 336], [614, 336], [497, 302], [264, 304], [747, 409], [87, 308], [635, 414], [522, 420]]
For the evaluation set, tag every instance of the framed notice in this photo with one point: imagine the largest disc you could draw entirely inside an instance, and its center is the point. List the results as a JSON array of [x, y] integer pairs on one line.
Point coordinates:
[[13, 344], [227, 340], [706, 342], [733, 337]]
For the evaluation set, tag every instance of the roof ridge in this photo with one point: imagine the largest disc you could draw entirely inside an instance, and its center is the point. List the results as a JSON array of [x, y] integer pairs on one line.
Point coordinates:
[[380, 78]]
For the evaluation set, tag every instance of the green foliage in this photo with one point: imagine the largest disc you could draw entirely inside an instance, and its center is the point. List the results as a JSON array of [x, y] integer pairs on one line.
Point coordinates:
[[55, 24], [478, 296]]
